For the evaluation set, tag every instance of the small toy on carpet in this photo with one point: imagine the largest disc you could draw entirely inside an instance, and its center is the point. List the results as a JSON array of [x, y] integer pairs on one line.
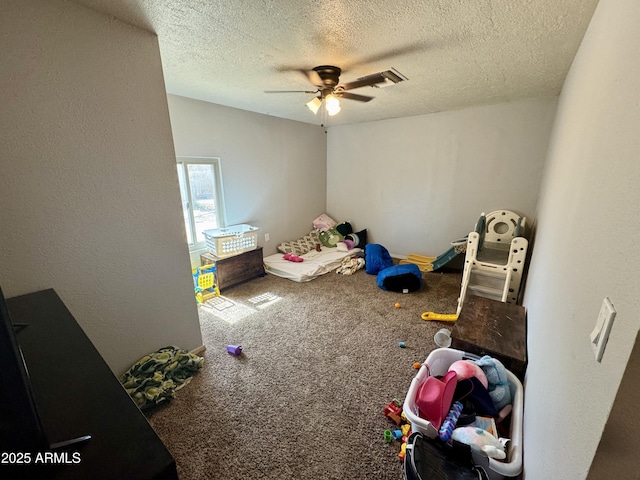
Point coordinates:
[[394, 412], [235, 350]]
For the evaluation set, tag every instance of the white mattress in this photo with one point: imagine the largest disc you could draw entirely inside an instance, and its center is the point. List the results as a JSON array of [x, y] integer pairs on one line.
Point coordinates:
[[315, 264]]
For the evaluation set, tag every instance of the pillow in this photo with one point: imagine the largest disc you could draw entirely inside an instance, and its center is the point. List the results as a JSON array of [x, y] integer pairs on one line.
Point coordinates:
[[359, 239], [377, 258], [402, 278], [344, 228], [302, 245], [324, 222], [345, 245]]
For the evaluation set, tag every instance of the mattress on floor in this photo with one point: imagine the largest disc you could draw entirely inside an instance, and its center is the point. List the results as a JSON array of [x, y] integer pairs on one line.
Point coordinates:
[[315, 264]]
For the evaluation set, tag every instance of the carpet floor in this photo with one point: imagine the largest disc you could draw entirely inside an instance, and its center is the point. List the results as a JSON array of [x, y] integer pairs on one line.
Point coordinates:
[[304, 400]]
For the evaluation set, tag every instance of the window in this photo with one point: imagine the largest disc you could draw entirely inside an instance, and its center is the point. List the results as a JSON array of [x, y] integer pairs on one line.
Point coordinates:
[[202, 197]]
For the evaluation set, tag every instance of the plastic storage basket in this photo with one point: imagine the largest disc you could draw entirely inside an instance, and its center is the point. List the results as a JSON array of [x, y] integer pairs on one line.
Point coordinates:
[[229, 241], [439, 361]]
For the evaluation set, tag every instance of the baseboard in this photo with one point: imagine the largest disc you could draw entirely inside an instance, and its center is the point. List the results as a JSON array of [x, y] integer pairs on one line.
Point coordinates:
[[198, 350]]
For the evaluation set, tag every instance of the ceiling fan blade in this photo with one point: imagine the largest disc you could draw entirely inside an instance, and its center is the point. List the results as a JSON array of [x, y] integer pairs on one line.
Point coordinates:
[[313, 77], [368, 81], [309, 74], [354, 96]]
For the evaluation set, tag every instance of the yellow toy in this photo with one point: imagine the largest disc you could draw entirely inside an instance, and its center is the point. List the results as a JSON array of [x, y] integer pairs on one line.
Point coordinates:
[[442, 317], [425, 264], [205, 283]]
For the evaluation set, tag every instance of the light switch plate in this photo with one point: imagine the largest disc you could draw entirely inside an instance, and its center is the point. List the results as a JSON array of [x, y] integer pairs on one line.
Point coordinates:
[[600, 334]]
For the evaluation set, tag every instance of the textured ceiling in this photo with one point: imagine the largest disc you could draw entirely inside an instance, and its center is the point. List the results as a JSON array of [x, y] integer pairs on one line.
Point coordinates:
[[455, 53]]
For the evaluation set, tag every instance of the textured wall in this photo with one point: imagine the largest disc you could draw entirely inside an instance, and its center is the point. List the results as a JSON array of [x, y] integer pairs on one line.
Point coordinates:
[[588, 223], [89, 191], [274, 170], [418, 183]]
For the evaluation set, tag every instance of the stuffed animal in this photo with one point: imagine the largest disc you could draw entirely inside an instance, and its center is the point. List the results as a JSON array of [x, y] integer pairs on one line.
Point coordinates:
[[480, 441], [467, 369], [496, 374]]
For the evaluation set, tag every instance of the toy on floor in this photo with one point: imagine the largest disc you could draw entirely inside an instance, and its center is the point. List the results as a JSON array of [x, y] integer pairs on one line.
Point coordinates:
[[441, 317], [430, 264], [443, 338], [234, 350], [480, 441], [205, 283], [394, 412]]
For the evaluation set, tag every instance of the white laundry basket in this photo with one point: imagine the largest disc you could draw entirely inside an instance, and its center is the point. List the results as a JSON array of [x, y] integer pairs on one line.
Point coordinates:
[[228, 241], [439, 361]]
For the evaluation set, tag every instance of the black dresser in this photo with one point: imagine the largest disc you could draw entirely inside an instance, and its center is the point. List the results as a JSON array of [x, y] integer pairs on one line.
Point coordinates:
[[76, 394]]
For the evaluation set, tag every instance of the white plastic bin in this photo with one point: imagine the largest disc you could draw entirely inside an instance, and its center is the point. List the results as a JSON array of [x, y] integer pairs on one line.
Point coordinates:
[[232, 240], [439, 361]]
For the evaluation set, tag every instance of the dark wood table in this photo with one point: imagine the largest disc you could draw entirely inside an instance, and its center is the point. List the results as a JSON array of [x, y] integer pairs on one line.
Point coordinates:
[[77, 394], [236, 269], [497, 329]]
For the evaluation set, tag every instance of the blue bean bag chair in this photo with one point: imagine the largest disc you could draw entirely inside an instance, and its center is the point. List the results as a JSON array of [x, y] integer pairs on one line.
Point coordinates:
[[376, 258], [400, 278]]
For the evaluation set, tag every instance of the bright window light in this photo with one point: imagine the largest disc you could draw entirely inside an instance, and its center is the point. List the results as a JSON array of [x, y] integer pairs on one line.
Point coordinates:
[[202, 197]]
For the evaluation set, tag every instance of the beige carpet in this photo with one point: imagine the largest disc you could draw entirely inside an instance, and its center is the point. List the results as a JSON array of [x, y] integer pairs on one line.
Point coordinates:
[[305, 400]]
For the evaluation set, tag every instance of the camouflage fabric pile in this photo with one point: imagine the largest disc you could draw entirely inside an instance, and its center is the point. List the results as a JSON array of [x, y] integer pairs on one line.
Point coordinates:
[[156, 377]]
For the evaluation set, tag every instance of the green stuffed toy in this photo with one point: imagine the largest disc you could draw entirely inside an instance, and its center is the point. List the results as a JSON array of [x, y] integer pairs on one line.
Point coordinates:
[[330, 238]]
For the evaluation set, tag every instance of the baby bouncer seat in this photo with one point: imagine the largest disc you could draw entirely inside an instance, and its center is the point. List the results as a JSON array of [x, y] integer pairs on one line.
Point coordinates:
[[495, 258]]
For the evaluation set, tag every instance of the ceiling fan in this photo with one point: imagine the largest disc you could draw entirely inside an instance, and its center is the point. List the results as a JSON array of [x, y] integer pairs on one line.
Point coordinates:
[[329, 89]]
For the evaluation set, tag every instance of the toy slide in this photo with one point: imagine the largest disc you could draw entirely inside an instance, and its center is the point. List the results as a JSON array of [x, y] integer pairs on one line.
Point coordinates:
[[425, 264], [430, 264]]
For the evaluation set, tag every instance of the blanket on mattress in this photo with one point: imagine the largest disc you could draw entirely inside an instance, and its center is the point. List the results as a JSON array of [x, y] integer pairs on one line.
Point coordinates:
[[315, 264]]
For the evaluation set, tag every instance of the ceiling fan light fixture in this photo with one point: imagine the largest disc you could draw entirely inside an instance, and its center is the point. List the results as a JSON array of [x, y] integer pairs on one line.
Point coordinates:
[[332, 104], [314, 105]]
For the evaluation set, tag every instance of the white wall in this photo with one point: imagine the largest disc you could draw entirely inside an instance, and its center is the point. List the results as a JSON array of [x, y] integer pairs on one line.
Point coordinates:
[[419, 183], [620, 442], [588, 224], [89, 190], [274, 170]]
